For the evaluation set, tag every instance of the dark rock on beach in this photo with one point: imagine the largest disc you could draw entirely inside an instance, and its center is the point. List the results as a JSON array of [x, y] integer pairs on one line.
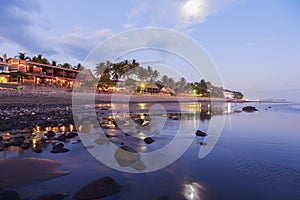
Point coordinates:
[[59, 148], [148, 140], [54, 196], [9, 195], [25, 145], [62, 137], [249, 109], [126, 156], [1, 138], [100, 188], [50, 134], [37, 149], [71, 135], [200, 133]]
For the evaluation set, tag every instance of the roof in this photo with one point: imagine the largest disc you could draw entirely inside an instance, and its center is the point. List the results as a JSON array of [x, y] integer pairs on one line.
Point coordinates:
[[151, 85]]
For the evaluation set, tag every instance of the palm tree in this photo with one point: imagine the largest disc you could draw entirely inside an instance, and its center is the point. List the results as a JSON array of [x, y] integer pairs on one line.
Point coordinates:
[[66, 65], [79, 67], [39, 59], [102, 67], [19, 75], [142, 74], [22, 56], [165, 80]]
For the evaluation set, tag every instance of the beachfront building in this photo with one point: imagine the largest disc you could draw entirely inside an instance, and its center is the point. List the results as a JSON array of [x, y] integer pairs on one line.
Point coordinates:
[[146, 88], [17, 71], [4, 73]]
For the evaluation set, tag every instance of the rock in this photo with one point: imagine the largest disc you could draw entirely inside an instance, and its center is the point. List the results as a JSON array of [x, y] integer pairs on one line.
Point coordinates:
[[1, 138], [139, 121], [9, 195], [5, 145], [18, 141], [200, 133], [100, 188], [50, 134], [62, 137], [71, 134], [203, 143], [139, 165], [126, 156], [25, 145], [249, 109], [148, 140], [59, 148], [54, 196], [38, 149]]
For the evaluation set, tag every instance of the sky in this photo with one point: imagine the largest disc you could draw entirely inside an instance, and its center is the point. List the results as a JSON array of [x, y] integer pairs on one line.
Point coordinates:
[[254, 44]]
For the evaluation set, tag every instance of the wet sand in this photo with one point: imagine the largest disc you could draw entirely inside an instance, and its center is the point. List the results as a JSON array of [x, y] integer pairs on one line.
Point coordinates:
[[65, 98]]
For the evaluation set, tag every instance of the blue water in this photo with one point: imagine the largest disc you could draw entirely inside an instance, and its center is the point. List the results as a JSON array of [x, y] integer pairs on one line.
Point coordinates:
[[256, 157]]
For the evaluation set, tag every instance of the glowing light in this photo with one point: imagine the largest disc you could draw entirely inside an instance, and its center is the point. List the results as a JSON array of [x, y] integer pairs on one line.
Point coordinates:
[[191, 191], [34, 142], [37, 129], [71, 127], [63, 128], [142, 105]]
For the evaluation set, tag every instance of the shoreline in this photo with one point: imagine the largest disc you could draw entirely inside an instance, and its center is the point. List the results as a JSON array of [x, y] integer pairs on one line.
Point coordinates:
[[51, 99]]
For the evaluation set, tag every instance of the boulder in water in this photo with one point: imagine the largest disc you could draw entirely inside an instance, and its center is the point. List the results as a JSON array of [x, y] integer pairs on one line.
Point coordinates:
[[9, 195], [200, 133], [148, 140], [249, 109], [100, 188]]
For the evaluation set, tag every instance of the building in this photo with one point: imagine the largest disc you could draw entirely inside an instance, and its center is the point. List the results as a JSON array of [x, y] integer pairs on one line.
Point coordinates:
[[228, 94], [16, 71], [4, 73]]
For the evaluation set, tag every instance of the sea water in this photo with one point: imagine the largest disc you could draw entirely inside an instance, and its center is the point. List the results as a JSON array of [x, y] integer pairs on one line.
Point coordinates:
[[255, 157]]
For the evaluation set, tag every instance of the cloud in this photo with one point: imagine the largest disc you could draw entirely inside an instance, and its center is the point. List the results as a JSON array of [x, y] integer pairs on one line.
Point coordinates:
[[19, 22], [177, 14], [80, 42]]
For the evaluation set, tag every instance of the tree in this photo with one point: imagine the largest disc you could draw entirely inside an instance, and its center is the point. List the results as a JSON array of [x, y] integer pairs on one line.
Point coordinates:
[[165, 80], [79, 67], [102, 67], [142, 74], [155, 75], [181, 85], [105, 81], [66, 65], [237, 95], [40, 59], [19, 75], [22, 56]]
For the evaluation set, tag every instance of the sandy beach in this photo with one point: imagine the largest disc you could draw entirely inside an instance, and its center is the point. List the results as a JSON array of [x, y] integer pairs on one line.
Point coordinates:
[[65, 98]]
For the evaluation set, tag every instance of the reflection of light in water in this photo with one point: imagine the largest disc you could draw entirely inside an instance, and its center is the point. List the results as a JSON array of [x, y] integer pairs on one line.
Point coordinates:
[[71, 127], [34, 141], [229, 107], [142, 105], [191, 191], [63, 128], [143, 148], [141, 135], [37, 129]]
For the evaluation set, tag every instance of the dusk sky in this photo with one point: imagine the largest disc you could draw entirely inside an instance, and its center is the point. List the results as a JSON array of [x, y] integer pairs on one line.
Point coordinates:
[[255, 44]]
